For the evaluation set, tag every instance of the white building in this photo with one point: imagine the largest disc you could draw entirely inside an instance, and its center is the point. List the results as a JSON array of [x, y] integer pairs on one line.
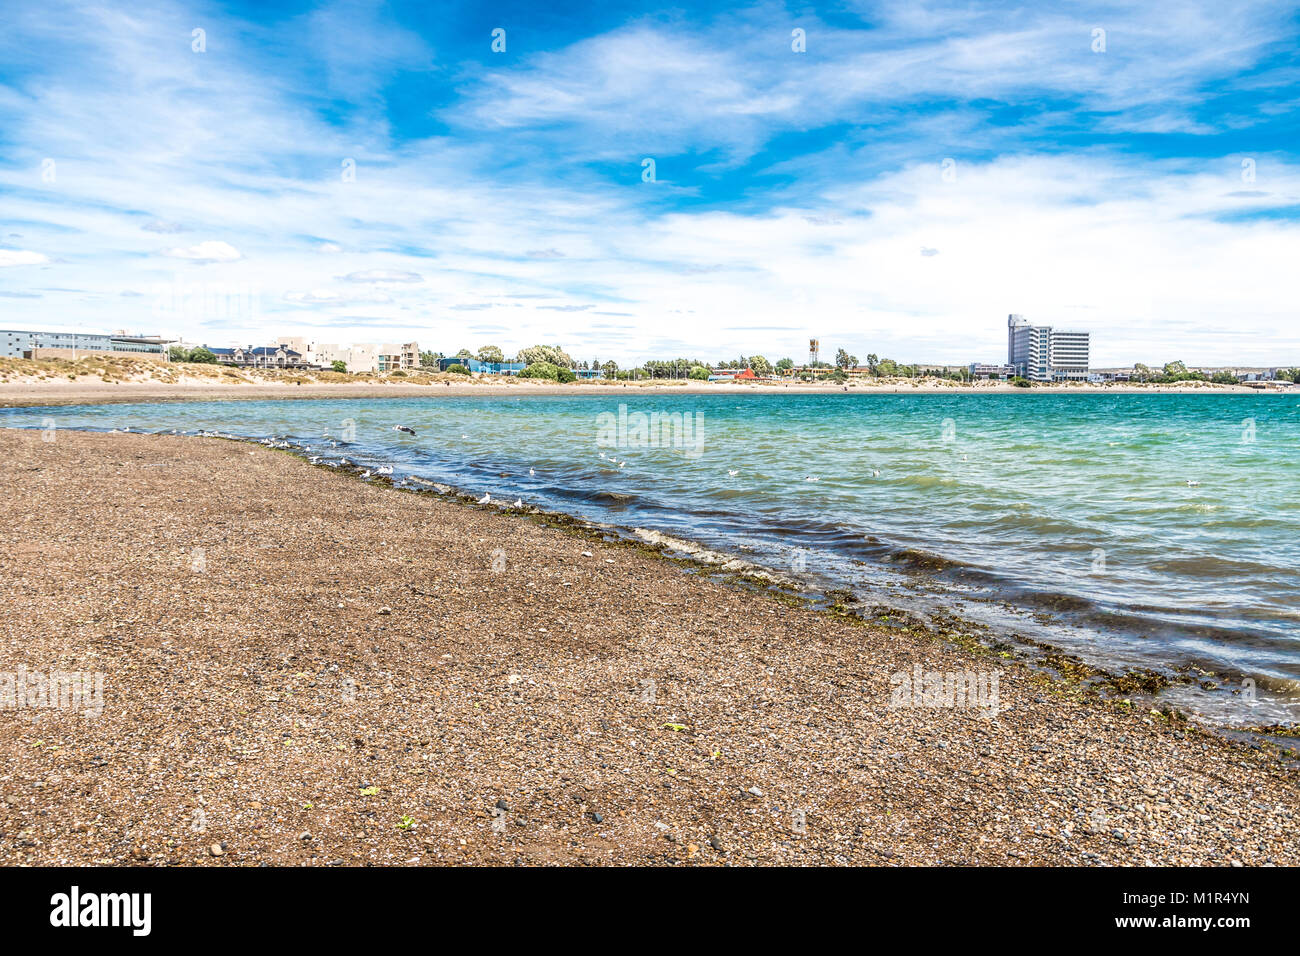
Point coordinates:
[[365, 357], [1041, 353]]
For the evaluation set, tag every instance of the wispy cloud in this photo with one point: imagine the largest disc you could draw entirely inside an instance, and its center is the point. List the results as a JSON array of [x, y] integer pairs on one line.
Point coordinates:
[[361, 156]]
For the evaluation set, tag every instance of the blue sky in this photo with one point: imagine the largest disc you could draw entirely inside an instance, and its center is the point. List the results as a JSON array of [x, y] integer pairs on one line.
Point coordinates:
[[376, 172]]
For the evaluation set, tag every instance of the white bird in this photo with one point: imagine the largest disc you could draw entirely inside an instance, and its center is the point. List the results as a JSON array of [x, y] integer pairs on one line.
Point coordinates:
[[384, 470], [519, 502], [486, 499], [732, 474], [602, 454], [1193, 484], [810, 478], [621, 464], [464, 436], [875, 473], [531, 472], [365, 474]]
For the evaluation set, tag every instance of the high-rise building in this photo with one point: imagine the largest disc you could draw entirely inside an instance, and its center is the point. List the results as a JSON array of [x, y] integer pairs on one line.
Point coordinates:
[[1041, 353]]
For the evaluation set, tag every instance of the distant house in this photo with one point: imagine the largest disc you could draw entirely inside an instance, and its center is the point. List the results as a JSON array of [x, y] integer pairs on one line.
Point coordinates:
[[264, 356]]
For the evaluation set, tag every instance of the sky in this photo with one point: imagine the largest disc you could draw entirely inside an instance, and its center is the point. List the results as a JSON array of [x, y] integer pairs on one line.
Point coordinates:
[[637, 181]]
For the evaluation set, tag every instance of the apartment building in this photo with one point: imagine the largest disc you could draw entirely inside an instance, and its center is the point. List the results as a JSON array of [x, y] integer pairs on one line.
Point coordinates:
[[366, 357], [1042, 353]]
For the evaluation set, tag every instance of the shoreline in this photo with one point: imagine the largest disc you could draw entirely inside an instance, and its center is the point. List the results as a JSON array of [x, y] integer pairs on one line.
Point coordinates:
[[564, 677], [41, 394]]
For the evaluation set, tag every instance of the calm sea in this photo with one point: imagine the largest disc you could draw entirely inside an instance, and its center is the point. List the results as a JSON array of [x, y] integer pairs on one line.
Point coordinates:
[[1158, 531]]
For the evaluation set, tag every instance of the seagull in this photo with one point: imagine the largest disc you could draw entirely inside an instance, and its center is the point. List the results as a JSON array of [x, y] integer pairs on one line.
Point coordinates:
[[464, 436], [621, 464], [875, 473], [519, 502], [810, 478], [1193, 484], [403, 428], [531, 472], [602, 454], [732, 474], [384, 470], [486, 499]]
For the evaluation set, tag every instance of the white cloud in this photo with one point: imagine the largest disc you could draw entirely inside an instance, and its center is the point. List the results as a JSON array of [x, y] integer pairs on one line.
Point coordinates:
[[213, 250], [383, 275], [21, 257]]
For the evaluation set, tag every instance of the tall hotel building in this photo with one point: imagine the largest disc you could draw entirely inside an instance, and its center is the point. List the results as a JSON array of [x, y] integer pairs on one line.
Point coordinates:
[[1041, 353]]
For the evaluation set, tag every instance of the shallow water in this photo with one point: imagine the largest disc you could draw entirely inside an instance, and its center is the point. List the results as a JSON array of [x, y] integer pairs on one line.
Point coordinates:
[[1067, 518]]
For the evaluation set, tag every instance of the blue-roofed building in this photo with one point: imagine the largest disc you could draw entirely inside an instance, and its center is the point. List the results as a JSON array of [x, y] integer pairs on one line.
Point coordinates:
[[484, 368]]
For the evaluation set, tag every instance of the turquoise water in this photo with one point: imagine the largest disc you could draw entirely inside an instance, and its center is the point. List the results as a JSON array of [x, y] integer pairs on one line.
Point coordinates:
[[1065, 518]]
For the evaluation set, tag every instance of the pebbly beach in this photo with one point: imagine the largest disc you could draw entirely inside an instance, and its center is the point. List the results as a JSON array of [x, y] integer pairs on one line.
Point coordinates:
[[299, 667]]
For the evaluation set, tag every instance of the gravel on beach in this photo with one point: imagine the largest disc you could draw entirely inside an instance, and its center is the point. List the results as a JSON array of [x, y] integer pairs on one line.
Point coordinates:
[[303, 668]]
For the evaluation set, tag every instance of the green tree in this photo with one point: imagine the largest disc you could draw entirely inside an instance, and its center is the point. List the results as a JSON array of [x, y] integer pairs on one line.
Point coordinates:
[[784, 365], [1175, 370], [203, 355], [610, 368], [457, 369], [338, 366], [760, 365], [551, 354], [465, 355], [844, 360], [546, 370], [490, 353], [699, 373]]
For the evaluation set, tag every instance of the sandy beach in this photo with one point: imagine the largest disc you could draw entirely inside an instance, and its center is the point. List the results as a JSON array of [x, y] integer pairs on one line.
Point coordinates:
[[300, 667], [116, 379]]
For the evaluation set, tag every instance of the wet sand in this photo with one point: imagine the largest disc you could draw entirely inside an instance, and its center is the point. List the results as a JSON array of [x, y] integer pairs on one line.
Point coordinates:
[[303, 668]]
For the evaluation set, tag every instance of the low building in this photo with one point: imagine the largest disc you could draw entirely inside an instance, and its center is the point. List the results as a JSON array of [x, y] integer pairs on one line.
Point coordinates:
[[364, 357], [484, 368], [987, 370], [265, 356], [74, 345]]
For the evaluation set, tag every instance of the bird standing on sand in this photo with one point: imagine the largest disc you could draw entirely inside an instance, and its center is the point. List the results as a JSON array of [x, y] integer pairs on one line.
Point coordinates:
[[384, 470], [486, 499], [519, 502], [403, 428]]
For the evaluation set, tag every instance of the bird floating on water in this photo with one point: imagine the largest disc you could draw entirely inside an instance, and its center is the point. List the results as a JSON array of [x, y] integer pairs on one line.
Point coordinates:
[[404, 428], [1193, 484], [732, 474], [531, 472], [810, 478]]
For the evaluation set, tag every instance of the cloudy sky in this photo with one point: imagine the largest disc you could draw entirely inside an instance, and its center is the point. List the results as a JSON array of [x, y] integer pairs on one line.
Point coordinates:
[[360, 171]]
